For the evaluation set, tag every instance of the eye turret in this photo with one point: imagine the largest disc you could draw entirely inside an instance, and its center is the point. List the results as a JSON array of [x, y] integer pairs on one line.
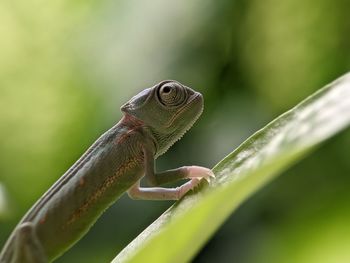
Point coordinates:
[[171, 94]]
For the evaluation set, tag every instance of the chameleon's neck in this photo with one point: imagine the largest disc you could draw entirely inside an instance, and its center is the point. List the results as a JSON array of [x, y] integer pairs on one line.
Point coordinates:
[[134, 124]]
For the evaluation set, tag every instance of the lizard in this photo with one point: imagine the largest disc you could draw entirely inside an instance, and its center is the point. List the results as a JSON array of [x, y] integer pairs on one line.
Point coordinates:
[[152, 122]]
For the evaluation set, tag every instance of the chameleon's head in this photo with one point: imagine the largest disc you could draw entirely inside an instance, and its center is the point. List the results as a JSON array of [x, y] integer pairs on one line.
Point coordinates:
[[167, 110]]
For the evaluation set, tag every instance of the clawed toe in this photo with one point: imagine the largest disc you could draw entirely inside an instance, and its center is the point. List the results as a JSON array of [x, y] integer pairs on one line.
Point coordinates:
[[200, 172]]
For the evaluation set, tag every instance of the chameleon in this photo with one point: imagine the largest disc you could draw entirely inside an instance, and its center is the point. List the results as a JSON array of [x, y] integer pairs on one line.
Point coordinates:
[[152, 122]]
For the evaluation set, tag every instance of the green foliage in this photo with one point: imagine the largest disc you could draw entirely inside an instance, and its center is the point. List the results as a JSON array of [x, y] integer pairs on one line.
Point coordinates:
[[66, 67], [181, 231]]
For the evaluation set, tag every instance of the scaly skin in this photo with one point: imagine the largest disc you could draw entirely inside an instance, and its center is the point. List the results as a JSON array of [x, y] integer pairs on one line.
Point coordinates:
[[153, 120]]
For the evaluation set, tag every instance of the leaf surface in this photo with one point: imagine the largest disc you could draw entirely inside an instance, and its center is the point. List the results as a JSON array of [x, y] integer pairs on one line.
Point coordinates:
[[179, 233]]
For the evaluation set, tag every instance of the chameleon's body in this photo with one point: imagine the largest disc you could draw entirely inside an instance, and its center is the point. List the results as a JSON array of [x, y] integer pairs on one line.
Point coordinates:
[[153, 120]]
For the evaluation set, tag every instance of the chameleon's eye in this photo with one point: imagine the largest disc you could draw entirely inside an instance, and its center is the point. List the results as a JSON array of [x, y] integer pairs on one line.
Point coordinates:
[[171, 94]]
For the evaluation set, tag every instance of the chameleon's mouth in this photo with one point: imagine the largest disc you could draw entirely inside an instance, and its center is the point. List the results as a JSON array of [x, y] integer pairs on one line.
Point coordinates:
[[196, 97]]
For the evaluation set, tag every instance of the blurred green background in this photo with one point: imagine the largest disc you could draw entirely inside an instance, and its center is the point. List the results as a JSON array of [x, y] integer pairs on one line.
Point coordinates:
[[67, 66]]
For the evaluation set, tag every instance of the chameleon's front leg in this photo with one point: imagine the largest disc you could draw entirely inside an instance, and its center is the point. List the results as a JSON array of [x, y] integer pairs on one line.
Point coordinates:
[[26, 246], [194, 173]]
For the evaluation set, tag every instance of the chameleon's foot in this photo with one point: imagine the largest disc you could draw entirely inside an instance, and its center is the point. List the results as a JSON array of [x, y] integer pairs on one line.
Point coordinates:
[[196, 174], [191, 184], [200, 172]]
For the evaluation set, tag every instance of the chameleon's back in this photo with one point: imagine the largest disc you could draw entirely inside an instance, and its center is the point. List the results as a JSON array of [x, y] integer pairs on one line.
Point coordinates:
[[69, 208]]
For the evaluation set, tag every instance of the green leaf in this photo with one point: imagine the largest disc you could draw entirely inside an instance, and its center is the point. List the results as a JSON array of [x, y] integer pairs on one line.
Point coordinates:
[[182, 230]]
